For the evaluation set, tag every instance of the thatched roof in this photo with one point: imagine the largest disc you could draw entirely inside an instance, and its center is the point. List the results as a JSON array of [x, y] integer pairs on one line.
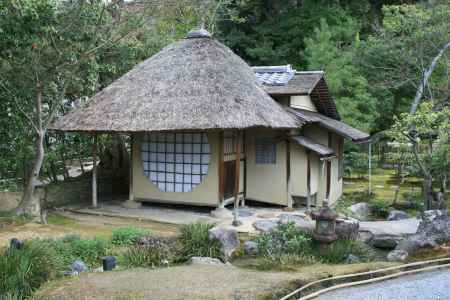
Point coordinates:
[[193, 84], [338, 127]]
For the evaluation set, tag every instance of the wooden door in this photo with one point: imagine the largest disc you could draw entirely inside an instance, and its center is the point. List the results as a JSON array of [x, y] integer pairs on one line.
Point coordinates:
[[229, 178]]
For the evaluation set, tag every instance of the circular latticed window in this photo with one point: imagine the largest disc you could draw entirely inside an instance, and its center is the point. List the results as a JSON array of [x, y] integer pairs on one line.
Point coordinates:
[[175, 162]]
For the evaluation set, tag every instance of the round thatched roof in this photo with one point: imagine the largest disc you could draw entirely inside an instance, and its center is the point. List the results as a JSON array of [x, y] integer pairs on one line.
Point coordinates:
[[195, 83]]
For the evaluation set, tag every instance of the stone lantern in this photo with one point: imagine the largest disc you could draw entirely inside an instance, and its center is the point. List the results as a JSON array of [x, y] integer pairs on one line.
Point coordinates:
[[325, 231]]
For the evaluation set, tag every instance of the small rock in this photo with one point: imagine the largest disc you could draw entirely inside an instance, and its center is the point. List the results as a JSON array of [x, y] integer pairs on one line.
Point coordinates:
[[360, 210], [251, 248], [199, 260], [397, 255], [430, 215], [228, 239], [300, 221], [78, 266], [352, 259], [365, 236], [395, 215], [265, 225], [385, 241], [347, 229]]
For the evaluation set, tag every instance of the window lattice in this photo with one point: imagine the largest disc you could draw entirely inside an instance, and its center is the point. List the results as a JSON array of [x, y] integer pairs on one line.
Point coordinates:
[[175, 162], [265, 151]]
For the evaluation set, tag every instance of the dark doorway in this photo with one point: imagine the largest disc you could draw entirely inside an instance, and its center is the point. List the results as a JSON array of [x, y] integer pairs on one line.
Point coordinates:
[[230, 178]]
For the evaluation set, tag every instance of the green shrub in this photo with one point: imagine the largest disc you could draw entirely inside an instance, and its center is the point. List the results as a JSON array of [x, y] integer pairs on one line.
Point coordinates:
[[73, 247], [285, 246], [340, 250], [194, 241], [379, 208], [156, 252], [128, 235], [23, 271]]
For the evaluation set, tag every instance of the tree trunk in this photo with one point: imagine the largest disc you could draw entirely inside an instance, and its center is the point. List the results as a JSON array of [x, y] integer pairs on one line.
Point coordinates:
[[428, 192], [30, 203]]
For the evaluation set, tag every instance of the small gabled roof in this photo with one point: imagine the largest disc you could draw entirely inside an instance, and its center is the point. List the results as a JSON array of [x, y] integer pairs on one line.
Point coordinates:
[[196, 83], [321, 150], [285, 81], [338, 127]]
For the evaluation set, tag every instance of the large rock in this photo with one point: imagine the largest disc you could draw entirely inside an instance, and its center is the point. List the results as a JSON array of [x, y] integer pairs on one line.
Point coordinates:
[[228, 239], [300, 221], [347, 229], [251, 248], [360, 210], [433, 230], [199, 260], [395, 215], [397, 255], [385, 241], [265, 225]]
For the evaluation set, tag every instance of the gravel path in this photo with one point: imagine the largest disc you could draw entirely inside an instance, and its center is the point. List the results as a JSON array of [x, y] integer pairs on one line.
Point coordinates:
[[426, 286]]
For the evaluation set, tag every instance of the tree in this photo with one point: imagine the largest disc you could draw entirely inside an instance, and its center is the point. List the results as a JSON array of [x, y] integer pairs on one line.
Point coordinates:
[[326, 50], [428, 131], [50, 53]]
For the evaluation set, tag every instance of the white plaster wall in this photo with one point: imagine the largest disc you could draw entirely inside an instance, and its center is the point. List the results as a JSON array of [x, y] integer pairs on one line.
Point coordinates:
[[303, 102]]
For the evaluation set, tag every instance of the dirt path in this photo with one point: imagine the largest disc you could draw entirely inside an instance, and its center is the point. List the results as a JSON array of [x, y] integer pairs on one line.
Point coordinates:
[[191, 282], [63, 223]]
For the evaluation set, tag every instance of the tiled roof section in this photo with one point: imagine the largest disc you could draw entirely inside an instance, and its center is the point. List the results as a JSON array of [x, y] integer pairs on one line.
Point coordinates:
[[320, 149], [274, 75], [299, 83], [338, 127]]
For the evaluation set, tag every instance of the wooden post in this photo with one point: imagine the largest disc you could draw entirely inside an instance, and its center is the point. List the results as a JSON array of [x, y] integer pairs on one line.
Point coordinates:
[[288, 175], [221, 168], [131, 191], [308, 180], [236, 222], [321, 185], [370, 168], [94, 171]]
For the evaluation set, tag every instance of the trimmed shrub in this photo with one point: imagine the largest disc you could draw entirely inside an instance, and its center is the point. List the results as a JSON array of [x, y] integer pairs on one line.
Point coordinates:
[[23, 271], [194, 241], [379, 208], [128, 235], [285, 246]]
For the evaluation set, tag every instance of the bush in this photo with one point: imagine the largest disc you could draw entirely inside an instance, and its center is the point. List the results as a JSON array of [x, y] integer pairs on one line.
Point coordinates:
[[194, 241], [157, 252], [379, 208], [128, 235], [340, 250], [73, 247], [285, 246], [23, 271]]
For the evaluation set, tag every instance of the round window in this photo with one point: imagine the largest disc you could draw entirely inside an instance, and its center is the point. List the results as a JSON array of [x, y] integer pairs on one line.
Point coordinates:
[[175, 162]]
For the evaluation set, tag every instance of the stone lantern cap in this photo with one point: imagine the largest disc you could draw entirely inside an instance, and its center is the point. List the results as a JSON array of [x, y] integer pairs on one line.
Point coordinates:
[[325, 213]]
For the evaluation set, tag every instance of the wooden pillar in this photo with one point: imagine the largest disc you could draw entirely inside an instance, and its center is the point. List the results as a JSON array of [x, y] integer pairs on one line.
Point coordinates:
[[288, 174], [328, 190], [370, 167], [94, 170], [221, 169], [321, 181], [131, 194], [236, 222], [308, 180]]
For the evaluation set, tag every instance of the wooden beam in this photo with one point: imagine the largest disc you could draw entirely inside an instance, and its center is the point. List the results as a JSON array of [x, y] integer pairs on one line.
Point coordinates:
[[288, 174], [308, 180], [131, 195], [221, 168], [94, 171], [237, 178]]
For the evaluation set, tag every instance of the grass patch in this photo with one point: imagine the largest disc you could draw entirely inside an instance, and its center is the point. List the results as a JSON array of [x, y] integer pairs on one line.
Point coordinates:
[[23, 271], [157, 252], [57, 219], [128, 235], [194, 241]]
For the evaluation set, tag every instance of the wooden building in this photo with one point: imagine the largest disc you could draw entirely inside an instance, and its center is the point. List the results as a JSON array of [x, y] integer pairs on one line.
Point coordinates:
[[208, 129]]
